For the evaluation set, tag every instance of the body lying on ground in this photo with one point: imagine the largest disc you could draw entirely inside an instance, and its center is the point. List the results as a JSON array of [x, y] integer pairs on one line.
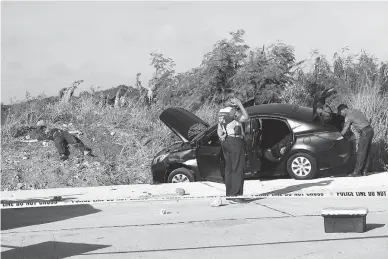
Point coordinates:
[[62, 139]]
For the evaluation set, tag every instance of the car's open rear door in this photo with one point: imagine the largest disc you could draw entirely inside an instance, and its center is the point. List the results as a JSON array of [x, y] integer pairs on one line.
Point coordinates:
[[252, 138]]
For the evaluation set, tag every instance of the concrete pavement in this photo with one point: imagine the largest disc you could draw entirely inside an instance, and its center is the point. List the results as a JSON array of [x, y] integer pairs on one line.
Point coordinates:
[[268, 228], [281, 227]]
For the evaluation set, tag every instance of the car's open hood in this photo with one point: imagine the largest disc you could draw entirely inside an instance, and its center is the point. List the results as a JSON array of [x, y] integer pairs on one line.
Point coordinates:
[[180, 121]]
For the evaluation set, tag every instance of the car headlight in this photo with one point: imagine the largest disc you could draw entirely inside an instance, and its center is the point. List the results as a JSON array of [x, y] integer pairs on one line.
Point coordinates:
[[160, 158]]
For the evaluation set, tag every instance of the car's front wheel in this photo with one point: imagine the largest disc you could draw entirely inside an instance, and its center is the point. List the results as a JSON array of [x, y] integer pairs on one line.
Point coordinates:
[[302, 166], [181, 175]]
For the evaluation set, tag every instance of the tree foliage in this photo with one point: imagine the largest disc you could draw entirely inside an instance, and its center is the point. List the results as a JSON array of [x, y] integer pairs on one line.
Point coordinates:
[[267, 74], [163, 78], [383, 77], [222, 63]]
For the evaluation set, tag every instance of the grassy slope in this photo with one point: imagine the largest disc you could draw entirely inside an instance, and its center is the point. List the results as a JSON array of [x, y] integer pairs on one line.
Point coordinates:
[[125, 157]]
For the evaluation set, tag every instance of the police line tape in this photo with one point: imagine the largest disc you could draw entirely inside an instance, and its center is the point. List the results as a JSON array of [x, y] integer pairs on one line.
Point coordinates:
[[59, 202]]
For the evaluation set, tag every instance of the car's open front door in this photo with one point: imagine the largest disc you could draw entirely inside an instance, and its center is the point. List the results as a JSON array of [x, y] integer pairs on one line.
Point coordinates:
[[209, 157], [209, 163]]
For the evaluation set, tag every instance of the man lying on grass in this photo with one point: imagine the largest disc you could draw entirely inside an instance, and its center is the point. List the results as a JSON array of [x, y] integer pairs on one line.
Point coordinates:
[[62, 139]]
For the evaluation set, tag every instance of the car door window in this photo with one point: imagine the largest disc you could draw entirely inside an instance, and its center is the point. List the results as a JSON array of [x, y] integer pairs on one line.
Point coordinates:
[[211, 139], [274, 130], [253, 132]]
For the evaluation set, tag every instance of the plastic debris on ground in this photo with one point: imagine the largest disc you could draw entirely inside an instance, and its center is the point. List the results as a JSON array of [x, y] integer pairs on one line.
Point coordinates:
[[180, 191], [217, 202]]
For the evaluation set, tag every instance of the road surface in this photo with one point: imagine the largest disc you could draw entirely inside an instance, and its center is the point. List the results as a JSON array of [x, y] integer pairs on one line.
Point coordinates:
[[284, 227]]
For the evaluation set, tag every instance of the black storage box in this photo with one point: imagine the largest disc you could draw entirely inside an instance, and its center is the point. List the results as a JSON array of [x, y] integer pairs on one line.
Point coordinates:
[[345, 220]]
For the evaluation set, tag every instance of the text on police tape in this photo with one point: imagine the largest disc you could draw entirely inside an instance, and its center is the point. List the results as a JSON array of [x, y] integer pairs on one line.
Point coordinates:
[[26, 203]]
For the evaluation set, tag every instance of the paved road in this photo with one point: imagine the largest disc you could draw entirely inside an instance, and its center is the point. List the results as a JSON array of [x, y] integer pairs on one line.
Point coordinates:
[[268, 228]]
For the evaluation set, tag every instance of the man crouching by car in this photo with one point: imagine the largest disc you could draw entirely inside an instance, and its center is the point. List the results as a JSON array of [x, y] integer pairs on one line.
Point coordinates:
[[363, 126], [231, 133]]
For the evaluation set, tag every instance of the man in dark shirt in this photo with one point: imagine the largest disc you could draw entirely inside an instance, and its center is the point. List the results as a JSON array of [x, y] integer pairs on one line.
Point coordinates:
[[231, 133], [62, 139], [362, 125]]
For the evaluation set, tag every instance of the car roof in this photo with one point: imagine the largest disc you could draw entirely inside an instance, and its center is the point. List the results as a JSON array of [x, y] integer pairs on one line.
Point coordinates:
[[289, 111]]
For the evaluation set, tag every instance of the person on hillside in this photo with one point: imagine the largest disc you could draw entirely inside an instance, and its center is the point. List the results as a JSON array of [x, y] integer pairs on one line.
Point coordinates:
[[322, 112], [363, 126], [231, 133], [62, 139]]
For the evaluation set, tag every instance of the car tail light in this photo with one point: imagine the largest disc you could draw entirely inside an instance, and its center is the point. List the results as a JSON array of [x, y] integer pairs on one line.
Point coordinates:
[[330, 135]]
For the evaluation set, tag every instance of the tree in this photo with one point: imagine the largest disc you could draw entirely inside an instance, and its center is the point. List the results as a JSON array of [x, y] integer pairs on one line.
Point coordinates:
[[367, 69], [266, 72], [163, 78], [222, 63], [383, 77], [356, 70], [164, 70]]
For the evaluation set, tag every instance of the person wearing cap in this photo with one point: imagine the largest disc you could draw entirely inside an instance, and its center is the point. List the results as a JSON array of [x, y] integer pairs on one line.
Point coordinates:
[[363, 127], [62, 139], [231, 133]]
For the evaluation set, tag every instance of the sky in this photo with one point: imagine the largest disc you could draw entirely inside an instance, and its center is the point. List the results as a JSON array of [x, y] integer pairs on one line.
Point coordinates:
[[46, 46]]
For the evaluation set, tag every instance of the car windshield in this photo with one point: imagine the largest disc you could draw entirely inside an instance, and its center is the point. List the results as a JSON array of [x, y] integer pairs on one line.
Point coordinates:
[[206, 130], [196, 130]]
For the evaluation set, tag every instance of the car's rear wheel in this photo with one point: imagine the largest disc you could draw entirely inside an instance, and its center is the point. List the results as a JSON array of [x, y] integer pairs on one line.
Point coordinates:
[[181, 175], [302, 166]]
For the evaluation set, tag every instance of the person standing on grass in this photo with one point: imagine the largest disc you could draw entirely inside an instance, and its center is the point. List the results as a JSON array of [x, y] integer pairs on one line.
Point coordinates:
[[231, 133], [362, 125], [62, 139]]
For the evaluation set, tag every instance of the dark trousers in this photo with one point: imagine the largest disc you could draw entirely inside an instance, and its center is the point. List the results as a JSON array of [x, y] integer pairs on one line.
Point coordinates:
[[234, 155], [363, 149], [63, 139]]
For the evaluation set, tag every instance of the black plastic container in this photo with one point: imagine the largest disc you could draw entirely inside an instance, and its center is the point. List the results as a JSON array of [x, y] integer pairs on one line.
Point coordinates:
[[345, 220]]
